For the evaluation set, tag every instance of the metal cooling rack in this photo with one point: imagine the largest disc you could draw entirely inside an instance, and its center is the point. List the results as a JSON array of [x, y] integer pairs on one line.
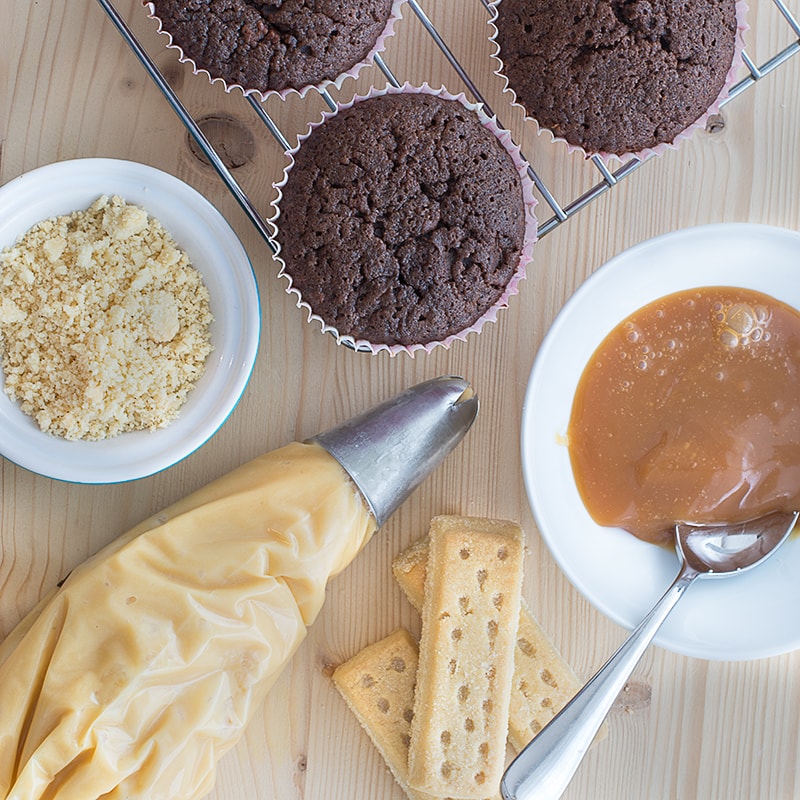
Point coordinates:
[[561, 211]]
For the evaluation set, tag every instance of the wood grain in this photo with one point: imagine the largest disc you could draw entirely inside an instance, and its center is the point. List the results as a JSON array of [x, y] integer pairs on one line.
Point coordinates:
[[685, 728]]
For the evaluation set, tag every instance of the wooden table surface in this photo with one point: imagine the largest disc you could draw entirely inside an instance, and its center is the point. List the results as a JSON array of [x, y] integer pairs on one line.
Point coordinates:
[[687, 728]]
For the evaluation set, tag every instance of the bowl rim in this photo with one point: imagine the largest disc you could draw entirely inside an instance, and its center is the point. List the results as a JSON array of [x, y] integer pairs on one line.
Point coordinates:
[[746, 617], [214, 249]]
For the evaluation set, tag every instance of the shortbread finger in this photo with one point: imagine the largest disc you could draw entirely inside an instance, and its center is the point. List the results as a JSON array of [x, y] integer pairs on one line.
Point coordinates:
[[378, 686], [469, 623], [543, 681], [377, 683]]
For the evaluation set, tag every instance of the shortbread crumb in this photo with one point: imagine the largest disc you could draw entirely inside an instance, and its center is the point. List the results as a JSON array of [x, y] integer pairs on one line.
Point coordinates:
[[104, 323]]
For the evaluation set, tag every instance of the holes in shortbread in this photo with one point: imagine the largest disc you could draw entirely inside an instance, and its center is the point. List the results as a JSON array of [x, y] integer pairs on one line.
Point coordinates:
[[536, 726], [398, 664], [406, 740], [408, 715], [461, 751], [547, 702], [367, 681], [547, 677], [527, 648], [383, 705]]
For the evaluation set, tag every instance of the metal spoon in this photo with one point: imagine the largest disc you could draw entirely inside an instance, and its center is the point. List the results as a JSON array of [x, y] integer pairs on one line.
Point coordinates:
[[545, 767]]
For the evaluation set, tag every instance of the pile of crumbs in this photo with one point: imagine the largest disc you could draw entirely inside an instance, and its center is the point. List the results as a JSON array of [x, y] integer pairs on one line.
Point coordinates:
[[104, 323]]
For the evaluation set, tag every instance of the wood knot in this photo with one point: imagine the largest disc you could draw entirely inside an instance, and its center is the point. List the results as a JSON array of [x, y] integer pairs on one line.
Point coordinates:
[[327, 667], [715, 124], [127, 86], [173, 73], [232, 140]]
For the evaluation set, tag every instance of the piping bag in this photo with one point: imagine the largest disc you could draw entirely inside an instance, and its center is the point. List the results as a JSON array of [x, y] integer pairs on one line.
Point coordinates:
[[132, 678]]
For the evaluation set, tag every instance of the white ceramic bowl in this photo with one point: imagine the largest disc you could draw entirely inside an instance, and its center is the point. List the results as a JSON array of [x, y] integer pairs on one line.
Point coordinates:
[[214, 250], [747, 616]]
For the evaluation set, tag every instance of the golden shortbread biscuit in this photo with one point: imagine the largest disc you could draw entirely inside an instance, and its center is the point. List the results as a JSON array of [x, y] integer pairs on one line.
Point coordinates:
[[543, 681], [470, 616], [377, 684]]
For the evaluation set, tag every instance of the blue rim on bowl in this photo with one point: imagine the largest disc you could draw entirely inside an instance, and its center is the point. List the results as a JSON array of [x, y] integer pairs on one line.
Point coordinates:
[[214, 250]]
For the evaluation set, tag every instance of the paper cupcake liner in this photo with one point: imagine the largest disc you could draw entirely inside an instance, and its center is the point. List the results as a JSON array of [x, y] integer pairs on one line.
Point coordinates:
[[526, 253], [647, 152], [336, 83]]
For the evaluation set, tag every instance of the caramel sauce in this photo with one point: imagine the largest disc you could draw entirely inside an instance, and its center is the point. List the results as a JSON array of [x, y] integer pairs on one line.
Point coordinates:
[[689, 411]]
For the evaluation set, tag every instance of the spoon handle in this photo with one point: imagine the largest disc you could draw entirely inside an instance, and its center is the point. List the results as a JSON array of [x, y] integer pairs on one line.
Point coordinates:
[[545, 767]]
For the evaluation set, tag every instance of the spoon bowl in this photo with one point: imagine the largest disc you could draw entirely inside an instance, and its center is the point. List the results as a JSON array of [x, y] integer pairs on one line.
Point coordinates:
[[722, 550], [545, 767]]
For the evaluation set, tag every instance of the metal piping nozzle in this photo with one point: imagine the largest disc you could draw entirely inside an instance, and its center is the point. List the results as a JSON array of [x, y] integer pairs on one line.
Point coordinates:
[[391, 448]]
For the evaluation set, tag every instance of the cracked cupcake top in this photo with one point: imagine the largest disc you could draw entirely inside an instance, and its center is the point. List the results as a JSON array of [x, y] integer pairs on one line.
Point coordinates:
[[284, 44], [402, 219], [616, 76]]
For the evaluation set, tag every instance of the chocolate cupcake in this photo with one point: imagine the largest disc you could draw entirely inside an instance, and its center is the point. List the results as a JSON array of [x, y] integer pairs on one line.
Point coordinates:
[[405, 220], [619, 77], [278, 47]]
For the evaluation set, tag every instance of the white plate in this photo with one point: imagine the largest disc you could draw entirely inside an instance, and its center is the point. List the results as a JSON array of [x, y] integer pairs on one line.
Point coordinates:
[[218, 255], [749, 616]]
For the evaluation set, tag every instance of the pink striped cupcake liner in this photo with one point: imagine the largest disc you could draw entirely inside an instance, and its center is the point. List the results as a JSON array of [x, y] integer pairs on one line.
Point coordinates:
[[700, 123], [526, 253], [380, 45]]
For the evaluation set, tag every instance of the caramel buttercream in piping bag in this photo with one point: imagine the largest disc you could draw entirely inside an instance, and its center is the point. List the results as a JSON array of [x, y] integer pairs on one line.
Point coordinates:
[[143, 668]]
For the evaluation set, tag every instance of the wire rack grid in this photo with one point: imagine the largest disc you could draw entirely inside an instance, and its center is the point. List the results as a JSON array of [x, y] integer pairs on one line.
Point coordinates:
[[560, 212]]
